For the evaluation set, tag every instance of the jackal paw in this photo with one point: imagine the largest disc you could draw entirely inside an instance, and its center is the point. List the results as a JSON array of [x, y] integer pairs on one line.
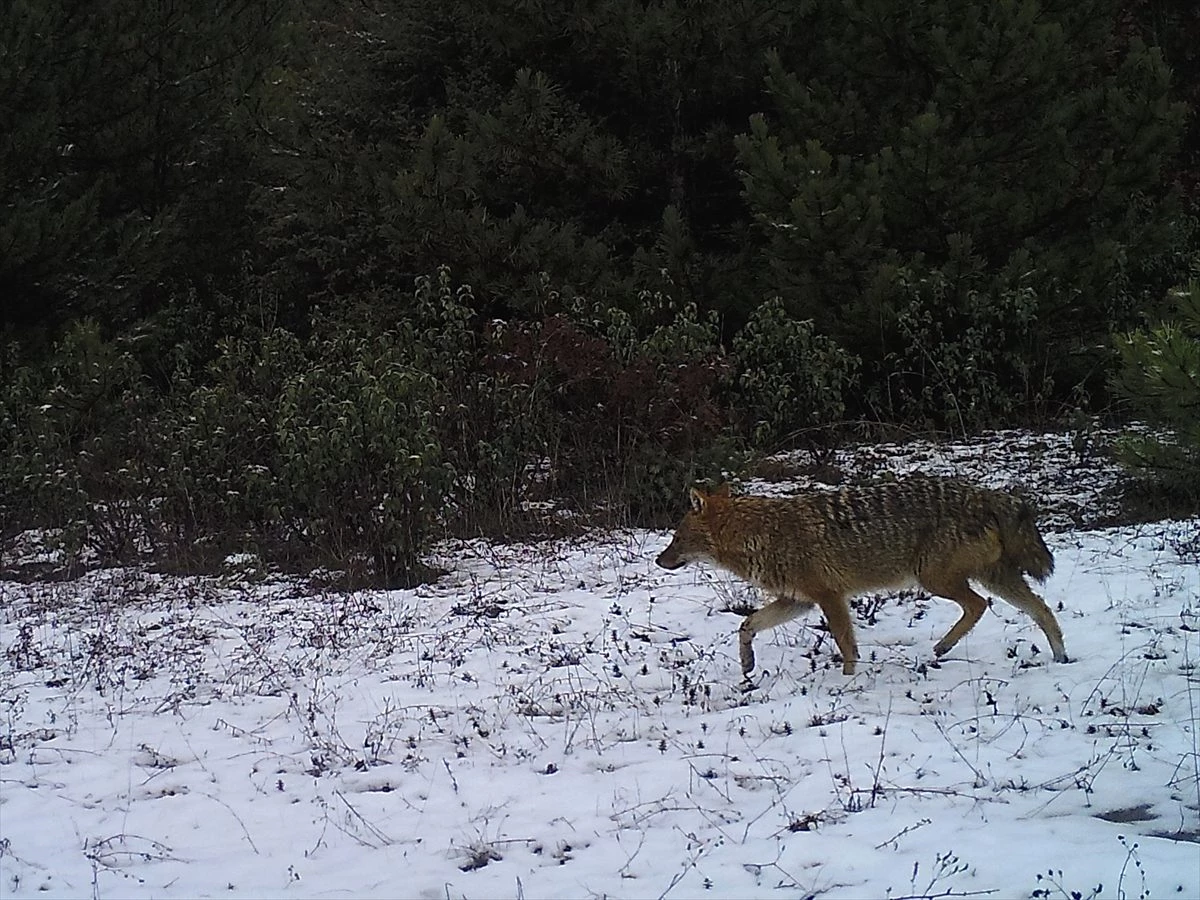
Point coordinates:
[[747, 654]]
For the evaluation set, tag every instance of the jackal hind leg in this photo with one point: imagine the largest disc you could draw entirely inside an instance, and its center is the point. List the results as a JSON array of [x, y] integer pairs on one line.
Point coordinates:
[[784, 609], [1012, 587], [973, 608]]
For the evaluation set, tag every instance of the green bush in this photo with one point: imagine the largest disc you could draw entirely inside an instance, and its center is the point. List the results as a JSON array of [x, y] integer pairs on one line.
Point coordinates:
[[790, 380], [21, 393], [218, 469], [666, 415], [627, 406], [358, 455], [958, 346], [323, 452], [490, 423], [69, 430], [319, 452]]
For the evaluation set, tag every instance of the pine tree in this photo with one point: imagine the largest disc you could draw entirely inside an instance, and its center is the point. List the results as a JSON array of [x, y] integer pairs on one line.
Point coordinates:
[[123, 149], [589, 141], [48, 210], [1174, 25], [1160, 377], [930, 163]]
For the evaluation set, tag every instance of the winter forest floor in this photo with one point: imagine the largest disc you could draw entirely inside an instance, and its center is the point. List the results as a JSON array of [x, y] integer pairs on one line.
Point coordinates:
[[563, 719]]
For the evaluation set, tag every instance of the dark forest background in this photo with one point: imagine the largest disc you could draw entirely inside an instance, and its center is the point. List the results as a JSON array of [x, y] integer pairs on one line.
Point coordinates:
[[330, 279]]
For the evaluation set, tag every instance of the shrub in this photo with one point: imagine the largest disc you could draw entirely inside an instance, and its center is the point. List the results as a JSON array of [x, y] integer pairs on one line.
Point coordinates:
[[958, 347], [358, 453], [628, 406], [489, 423], [355, 446], [322, 451], [790, 380], [67, 434], [218, 472]]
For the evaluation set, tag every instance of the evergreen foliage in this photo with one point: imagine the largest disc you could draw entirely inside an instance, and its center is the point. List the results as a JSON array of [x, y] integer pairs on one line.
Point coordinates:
[[1159, 374], [591, 142], [982, 151], [677, 231], [351, 447], [123, 164]]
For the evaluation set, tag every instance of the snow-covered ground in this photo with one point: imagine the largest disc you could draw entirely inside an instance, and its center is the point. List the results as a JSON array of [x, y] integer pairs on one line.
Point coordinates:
[[565, 720]]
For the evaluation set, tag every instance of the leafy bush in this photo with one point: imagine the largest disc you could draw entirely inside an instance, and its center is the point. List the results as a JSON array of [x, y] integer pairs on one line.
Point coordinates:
[[789, 378], [21, 392], [66, 442], [217, 472], [358, 456], [628, 405], [958, 346], [488, 423], [353, 447], [324, 451]]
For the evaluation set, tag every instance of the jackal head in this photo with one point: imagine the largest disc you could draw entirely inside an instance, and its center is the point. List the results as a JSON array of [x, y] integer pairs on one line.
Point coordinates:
[[693, 538]]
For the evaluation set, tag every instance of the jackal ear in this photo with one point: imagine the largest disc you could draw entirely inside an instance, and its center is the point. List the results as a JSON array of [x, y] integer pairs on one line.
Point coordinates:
[[698, 498]]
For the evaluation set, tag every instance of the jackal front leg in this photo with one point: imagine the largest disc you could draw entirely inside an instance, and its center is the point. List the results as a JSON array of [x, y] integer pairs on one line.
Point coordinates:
[[841, 626], [746, 647], [775, 613]]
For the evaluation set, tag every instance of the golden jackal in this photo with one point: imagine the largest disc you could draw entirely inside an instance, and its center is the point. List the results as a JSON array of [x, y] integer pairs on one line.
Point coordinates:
[[822, 547]]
